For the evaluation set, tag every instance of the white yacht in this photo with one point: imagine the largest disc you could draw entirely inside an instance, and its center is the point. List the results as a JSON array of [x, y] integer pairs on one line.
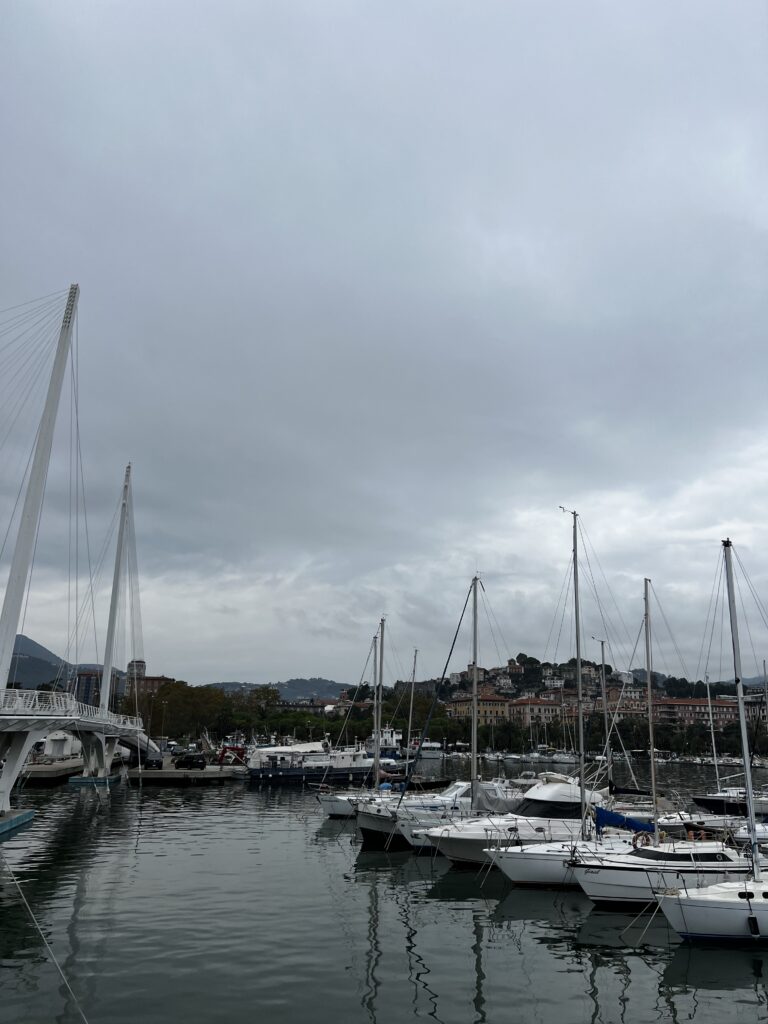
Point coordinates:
[[551, 864], [732, 911], [549, 812], [623, 879], [378, 819]]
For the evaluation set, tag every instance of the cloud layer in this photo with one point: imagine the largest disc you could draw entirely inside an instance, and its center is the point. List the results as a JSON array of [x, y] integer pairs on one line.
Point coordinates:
[[368, 293]]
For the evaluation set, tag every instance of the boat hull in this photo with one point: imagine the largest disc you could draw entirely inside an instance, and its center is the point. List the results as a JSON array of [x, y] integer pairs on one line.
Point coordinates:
[[549, 865], [305, 774], [378, 829], [702, 918], [615, 886]]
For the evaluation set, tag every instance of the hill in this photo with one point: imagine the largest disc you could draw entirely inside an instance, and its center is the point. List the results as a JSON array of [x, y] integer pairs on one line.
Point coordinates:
[[32, 665], [291, 689]]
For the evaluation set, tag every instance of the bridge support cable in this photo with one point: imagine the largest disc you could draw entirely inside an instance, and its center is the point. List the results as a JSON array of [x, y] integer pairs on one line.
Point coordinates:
[[33, 500]]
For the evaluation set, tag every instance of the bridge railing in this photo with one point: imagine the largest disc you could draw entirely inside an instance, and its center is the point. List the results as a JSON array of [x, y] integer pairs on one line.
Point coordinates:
[[42, 703]]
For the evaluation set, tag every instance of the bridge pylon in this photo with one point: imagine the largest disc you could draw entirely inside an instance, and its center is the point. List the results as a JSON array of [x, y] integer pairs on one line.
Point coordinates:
[[14, 747], [98, 752]]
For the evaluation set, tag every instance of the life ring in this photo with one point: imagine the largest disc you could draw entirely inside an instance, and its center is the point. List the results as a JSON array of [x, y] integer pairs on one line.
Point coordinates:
[[640, 839]]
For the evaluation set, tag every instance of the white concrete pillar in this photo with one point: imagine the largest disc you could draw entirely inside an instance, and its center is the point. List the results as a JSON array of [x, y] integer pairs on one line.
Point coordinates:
[[14, 748]]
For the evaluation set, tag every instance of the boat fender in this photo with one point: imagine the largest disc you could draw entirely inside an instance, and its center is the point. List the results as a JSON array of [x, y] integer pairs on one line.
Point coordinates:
[[640, 839]]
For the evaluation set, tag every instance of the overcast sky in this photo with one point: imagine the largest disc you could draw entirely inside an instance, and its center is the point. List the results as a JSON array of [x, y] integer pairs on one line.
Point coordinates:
[[368, 291]]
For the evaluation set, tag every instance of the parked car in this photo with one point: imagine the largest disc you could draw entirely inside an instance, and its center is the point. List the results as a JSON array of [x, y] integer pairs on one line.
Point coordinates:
[[151, 759], [190, 761]]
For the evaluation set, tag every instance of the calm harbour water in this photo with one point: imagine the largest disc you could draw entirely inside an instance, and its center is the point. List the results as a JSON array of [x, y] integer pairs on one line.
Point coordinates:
[[238, 903]]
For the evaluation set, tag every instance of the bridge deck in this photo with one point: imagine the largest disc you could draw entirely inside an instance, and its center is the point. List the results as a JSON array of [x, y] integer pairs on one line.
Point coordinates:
[[34, 709]]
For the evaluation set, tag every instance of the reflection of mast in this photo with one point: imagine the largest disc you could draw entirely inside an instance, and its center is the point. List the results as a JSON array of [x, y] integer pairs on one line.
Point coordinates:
[[477, 948], [373, 954], [416, 976]]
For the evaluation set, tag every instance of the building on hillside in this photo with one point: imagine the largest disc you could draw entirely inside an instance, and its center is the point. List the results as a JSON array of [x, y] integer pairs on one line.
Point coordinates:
[[553, 682], [693, 710], [534, 710], [491, 707]]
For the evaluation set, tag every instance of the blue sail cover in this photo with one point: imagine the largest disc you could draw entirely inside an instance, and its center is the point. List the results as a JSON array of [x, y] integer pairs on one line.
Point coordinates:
[[603, 818]]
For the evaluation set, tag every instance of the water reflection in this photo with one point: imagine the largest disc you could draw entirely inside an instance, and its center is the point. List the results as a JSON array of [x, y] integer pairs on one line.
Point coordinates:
[[717, 969], [66, 846], [606, 967], [609, 929]]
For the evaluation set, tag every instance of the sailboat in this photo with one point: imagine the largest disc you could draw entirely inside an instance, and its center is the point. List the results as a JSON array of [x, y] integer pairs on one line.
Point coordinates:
[[630, 877], [396, 824], [551, 864], [734, 911]]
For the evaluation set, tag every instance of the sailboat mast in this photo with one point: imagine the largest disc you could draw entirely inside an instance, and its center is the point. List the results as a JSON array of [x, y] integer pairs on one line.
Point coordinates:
[[579, 693], [376, 716], [649, 678], [410, 710], [608, 755], [33, 500], [712, 730], [742, 716], [381, 682], [473, 769]]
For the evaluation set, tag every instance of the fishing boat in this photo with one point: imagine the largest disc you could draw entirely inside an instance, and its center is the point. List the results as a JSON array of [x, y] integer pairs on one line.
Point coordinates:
[[310, 762]]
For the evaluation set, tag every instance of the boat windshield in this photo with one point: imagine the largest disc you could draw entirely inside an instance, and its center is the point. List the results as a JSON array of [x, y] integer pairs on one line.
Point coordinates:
[[530, 808]]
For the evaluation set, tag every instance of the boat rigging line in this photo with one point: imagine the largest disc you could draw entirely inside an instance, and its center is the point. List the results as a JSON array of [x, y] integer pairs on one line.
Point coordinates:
[[433, 705], [40, 932]]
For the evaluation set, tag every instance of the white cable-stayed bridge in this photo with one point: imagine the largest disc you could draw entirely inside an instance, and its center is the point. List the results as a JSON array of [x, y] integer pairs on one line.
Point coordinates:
[[26, 716]]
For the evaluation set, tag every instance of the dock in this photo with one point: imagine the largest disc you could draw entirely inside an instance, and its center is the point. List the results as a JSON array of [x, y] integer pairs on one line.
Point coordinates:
[[49, 772], [14, 819]]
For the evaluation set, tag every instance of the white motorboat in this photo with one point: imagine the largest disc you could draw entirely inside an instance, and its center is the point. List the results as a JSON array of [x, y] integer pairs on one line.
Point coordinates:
[[549, 812], [699, 825], [378, 820], [430, 750]]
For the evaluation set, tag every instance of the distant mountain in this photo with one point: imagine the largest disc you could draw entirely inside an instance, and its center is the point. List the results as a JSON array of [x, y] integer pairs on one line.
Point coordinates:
[[303, 689], [26, 646], [291, 689], [32, 665]]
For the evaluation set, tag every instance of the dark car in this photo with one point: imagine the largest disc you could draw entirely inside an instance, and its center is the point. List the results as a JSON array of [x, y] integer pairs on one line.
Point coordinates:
[[153, 761], [190, 761]]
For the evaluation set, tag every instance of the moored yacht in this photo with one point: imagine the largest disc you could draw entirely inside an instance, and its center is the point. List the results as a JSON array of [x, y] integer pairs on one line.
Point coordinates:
[[378, 819], [549, 812], [730, 911], [308, 762], [551, 864], [632, 877]]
